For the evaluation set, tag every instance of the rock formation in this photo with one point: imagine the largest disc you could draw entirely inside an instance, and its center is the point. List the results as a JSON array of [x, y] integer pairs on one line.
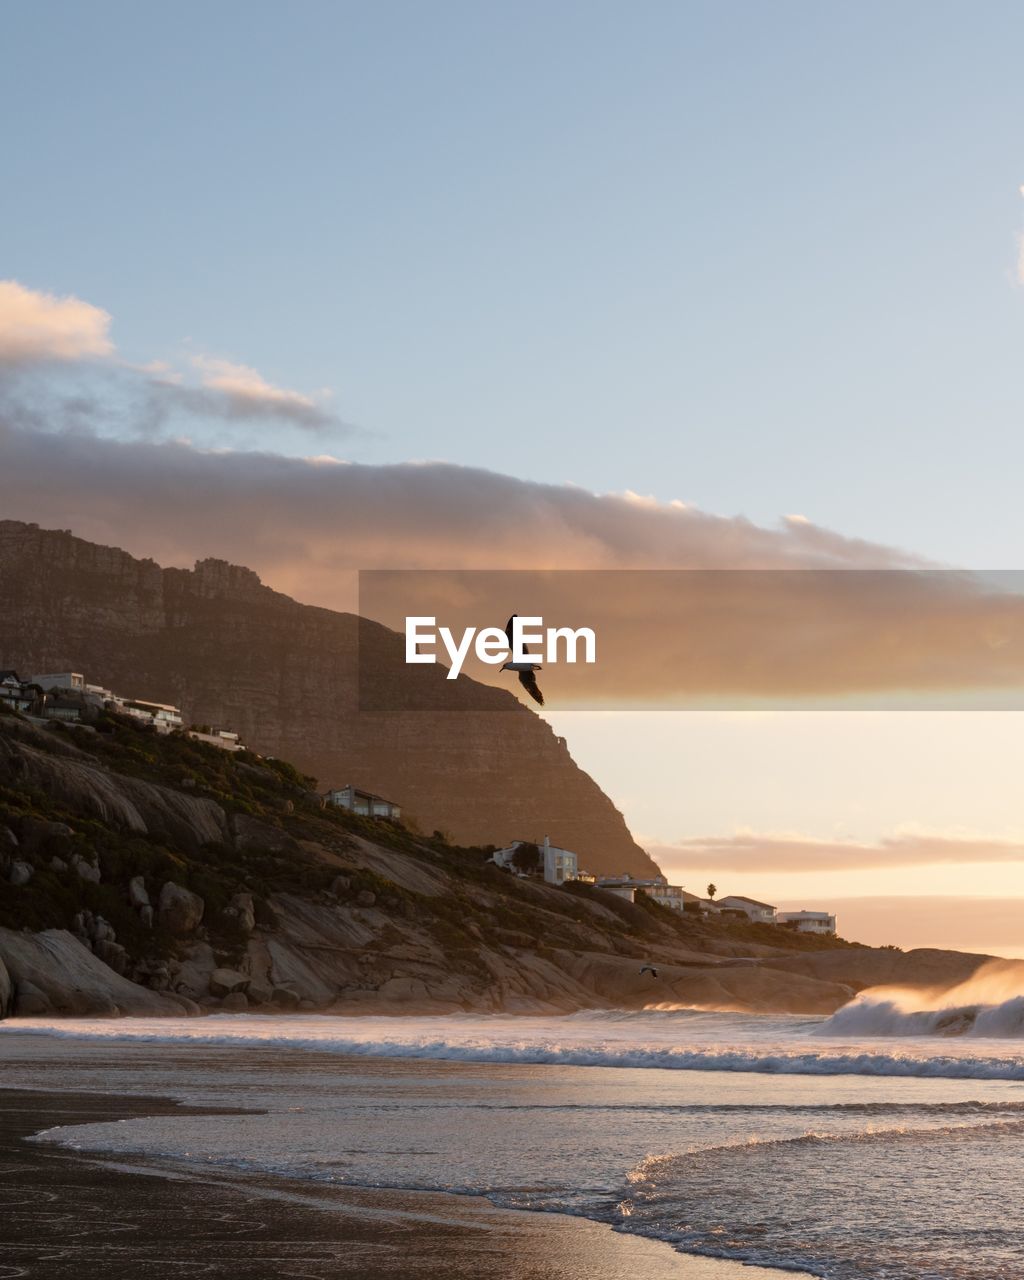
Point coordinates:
[[52, 972], [231, 651], [265, 900]]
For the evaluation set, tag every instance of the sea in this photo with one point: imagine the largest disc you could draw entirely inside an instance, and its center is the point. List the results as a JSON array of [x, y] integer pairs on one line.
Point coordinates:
[[883, 1143]]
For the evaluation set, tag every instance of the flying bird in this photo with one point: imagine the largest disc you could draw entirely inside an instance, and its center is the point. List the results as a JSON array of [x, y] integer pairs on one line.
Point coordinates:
[[648, 968], [525, 669]]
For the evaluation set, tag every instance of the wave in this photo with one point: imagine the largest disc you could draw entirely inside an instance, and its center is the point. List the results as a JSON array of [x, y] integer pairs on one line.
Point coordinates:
[[768, 1061], [990, 1004]]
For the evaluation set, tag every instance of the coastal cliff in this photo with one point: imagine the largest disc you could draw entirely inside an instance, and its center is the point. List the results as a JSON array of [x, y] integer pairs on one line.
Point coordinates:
[[143, 873], [289, 678]]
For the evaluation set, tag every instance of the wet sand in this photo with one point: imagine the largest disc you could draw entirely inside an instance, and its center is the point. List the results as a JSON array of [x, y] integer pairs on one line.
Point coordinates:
[[66, 1214]]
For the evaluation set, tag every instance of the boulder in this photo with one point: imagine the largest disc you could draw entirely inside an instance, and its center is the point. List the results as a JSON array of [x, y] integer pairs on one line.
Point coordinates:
[[236, 1002], [53, 972], [340, 885], [103, 930], [243, 909], [86, 870], [224, 982], [146, 917], [137, 895], [259, 992], [29, 1001], [112, 954], [20, 872], [58, 865], [285, 997], [181, 910], [365, 898]]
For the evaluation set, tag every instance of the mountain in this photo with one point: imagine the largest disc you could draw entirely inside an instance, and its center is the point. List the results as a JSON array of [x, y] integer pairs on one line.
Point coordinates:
[[291, 678]]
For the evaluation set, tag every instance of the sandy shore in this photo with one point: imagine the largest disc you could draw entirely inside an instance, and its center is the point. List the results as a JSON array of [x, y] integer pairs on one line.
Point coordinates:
[[67, 1214]]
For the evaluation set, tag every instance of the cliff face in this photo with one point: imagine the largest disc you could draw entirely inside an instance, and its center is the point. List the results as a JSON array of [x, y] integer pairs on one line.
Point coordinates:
[[288, 677]]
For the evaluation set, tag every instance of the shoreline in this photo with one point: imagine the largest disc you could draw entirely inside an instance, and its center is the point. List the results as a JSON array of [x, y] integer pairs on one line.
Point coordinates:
[[69, 1213]]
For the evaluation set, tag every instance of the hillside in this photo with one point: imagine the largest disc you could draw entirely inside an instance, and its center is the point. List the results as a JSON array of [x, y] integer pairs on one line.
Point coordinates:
[[288, 677], [148, 874]]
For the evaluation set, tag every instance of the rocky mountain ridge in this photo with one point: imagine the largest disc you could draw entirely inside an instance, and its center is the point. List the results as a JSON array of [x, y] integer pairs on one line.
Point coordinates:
[[293, 679]]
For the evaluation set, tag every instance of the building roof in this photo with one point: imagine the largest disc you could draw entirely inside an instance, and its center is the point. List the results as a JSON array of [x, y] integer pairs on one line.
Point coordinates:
[[358, 791], [738, 897]]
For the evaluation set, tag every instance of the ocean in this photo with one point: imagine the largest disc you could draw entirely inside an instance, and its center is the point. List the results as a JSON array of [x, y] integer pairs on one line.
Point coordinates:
[[885, 1143]]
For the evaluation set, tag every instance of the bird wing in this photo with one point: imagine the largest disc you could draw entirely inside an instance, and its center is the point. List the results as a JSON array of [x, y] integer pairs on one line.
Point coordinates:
[[529, 682], [508, 629]]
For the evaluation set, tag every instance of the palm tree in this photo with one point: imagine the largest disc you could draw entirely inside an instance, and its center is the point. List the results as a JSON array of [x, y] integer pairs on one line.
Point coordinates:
[[712, 890]]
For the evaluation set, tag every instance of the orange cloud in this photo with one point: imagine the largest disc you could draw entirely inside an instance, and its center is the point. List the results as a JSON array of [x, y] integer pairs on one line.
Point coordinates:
[[753, 851]]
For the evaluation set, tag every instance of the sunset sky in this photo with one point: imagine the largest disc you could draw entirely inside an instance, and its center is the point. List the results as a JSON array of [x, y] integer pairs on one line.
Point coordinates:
[[679, 286]]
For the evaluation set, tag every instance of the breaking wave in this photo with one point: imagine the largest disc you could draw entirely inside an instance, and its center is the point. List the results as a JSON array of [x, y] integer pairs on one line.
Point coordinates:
[[990, 1004], [446, 1039]]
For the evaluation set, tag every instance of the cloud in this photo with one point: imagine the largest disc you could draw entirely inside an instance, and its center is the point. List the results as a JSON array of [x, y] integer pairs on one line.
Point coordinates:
[[38, 326], [307, 525], [753, 851], [791, 613], [246, 393], [38, 329]]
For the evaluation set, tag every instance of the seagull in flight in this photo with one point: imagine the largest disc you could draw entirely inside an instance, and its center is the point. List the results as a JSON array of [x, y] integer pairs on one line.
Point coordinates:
[[648, 968], [525, 669]]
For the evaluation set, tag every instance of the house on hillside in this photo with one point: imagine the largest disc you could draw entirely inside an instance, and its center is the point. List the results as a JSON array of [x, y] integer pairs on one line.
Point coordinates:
[[56, 707], [365, 803], [625, 886], [214, 737], [807, 921], [758, 912], [15, 693], [555, 864], [60, 680], [161, 715]]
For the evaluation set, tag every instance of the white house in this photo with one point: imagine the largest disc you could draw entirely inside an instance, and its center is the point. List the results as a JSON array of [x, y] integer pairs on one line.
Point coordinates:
[[60, 680], [808, 921], [625, 886], [758, 912], [673, 896], [15, 692], [161, 715], [559, 865], [223, 738], [364, 803]]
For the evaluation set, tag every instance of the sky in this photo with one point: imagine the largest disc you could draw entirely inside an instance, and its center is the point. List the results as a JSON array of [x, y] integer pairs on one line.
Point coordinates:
[[677, 284]]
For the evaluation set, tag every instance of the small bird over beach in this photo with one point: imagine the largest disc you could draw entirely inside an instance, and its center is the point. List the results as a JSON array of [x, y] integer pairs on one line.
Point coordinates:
[[648, 968], [525, 669]]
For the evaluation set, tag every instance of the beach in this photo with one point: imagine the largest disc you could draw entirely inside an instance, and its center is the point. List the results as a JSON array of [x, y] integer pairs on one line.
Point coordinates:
[[66, 1214], [675, 1144]]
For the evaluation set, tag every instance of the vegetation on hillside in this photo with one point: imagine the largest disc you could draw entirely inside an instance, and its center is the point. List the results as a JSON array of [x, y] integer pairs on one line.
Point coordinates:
[[311, 845]]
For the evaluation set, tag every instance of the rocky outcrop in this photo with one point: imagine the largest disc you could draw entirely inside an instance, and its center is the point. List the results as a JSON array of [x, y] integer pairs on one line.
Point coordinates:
[[232, 651], [223, 982], [181, 910], [53, 973], [72, 779], [6, 991], [873, 967]]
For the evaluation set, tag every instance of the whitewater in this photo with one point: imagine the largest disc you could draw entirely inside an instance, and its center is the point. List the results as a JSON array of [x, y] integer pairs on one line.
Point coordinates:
[[881, 1144]]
